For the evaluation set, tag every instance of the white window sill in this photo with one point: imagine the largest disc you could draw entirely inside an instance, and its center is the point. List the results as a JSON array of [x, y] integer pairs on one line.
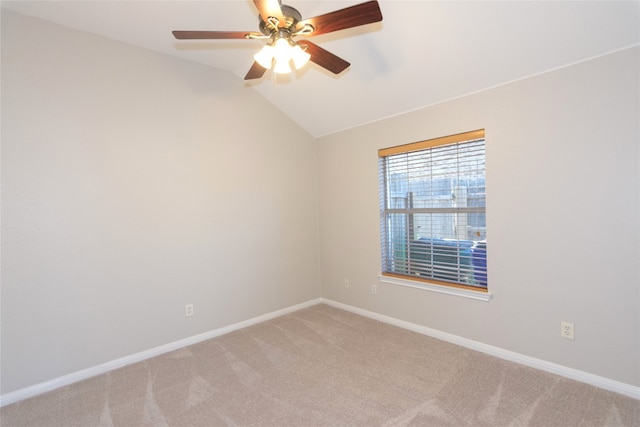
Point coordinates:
[[449, 290]]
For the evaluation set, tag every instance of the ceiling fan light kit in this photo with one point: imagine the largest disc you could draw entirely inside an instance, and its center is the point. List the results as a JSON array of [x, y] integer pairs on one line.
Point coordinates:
[[281, 23], [280, 53]]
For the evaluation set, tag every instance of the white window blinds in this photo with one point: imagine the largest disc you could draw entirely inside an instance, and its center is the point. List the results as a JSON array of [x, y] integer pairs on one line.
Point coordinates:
[[432, 200]]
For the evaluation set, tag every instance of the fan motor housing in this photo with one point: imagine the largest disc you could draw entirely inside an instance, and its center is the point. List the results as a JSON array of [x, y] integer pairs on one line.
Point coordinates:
[[291, 16]]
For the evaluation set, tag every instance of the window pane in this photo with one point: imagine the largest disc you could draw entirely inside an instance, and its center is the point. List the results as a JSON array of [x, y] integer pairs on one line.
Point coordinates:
[[433, 221]]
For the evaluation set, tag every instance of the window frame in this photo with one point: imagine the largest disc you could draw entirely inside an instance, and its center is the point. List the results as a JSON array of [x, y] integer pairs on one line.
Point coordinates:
[[416, 281]]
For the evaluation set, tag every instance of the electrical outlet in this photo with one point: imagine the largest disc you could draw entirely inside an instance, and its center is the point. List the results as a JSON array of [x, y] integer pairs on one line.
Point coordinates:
[[374, 289], [566, 330], [188, 310], [346, 283]]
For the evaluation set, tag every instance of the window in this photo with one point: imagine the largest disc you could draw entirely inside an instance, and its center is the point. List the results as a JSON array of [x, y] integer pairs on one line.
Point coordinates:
[[432, 211]]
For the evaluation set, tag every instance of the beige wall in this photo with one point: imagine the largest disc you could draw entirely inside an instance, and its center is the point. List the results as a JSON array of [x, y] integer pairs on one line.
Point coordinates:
[[132, 184], [562, 213]]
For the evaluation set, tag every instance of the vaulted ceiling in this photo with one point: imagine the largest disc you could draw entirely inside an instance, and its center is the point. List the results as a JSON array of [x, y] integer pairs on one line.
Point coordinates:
[[421, 54]]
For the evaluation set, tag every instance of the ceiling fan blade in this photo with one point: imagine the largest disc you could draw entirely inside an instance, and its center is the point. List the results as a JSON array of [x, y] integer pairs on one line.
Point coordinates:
[[353, 16], [194, 35], [255, 72], [270, 8], [324, 58]]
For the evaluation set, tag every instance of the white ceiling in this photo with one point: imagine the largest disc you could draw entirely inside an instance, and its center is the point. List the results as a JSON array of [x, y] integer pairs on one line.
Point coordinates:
[[422, 53]]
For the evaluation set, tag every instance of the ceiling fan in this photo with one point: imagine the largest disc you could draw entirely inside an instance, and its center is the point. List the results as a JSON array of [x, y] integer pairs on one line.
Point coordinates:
[[281, 23]]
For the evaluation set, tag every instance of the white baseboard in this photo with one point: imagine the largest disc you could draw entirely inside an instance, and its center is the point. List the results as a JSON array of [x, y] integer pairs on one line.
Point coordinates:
[[34, 390], [574, 374]]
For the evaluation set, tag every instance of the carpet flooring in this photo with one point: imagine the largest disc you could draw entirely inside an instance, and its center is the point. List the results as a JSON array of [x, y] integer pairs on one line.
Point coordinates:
[[322, 366]]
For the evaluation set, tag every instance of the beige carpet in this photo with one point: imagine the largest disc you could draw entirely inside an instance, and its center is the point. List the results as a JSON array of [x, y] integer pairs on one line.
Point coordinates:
[[323, 366]]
